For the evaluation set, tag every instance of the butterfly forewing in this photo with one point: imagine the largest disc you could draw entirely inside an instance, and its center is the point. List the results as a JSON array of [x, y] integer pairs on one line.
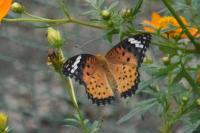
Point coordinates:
[[125, 59], [87, 69]]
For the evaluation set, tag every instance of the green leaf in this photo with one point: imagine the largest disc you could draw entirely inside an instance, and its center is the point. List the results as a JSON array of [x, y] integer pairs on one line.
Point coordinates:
[[72, 122], [100, 3], [156, 70], [178, 77], [192, 83], [190, 79], [192, 125], [109, 35], [95, 127], [138, 109], [113, 5], [144, 84], [137, 7], [93, 3], [89, 12]]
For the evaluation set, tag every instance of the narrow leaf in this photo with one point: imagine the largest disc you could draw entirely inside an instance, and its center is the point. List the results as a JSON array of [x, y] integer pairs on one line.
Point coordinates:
[[137, 7], [72, 122], [113, 5], [178, 77], [138, 108]]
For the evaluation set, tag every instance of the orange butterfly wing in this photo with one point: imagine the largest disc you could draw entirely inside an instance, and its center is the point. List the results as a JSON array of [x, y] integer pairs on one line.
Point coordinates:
[[124, 68], [125, 59], [87, 69]]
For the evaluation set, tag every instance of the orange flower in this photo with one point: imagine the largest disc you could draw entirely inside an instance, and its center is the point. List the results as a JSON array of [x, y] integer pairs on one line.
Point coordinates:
[[164, 22], [4, 8]]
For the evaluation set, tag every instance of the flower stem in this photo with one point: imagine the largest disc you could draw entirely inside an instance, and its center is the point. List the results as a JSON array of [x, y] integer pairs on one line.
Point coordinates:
[[70, 90], [37, 20], [175, 48], [71, 93], [185, 30], [86, 23], [166, 128], [56, 21]]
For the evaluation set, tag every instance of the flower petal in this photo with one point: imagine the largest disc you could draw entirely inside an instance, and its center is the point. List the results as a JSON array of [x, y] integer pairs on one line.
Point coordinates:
[[155, 17], [4, 8]]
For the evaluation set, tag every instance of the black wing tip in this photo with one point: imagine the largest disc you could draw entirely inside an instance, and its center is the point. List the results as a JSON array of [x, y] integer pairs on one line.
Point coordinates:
[[146, 34]]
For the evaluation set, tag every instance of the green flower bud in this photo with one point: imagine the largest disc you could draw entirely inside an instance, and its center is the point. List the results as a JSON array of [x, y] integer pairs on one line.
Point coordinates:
[[54, 38], [3, 122], [166, 60], [105, 14], [185, 99], [126, 13], [148, 60], [17, 8], [198, 101]]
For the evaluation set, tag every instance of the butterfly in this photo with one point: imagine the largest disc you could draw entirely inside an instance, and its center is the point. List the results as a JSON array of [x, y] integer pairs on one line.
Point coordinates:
[[115, 72]]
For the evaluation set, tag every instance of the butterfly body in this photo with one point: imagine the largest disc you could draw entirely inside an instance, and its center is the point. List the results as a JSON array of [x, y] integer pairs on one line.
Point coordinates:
[[107, 68], [115, 72]]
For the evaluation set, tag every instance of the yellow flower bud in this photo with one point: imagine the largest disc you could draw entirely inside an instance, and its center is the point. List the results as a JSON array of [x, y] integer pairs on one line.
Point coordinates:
[[166, 60], [3, 122], [54, 38], [105, 14], [126, 13], [17, 8]]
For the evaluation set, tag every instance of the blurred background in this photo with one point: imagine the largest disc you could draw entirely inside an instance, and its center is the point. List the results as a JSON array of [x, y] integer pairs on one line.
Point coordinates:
[[32, 94]]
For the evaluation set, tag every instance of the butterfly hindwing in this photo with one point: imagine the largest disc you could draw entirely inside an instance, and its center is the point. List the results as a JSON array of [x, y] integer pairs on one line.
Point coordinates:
[[87, 70], [125, 59]]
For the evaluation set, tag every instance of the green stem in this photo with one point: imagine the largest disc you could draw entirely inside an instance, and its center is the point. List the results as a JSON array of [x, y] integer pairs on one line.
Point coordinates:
[[37, 20], [61, 21], [89, 24], [185, 30], [71, 93], [174, 47], [33, 16], [167, 127], [62, 6]]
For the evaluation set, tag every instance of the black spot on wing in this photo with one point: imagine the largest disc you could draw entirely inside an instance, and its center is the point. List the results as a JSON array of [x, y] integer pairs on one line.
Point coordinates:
[[133, 88]]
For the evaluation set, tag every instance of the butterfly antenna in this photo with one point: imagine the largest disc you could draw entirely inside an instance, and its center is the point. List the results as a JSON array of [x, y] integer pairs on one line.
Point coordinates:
[[88, 43]]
